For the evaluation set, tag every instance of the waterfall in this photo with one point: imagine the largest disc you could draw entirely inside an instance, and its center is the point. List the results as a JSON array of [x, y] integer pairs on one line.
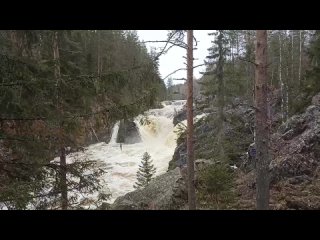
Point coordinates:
[[158, 139]]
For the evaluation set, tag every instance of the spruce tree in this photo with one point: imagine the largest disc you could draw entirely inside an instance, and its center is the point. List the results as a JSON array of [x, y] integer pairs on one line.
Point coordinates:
[[146, 172], [216, 84]]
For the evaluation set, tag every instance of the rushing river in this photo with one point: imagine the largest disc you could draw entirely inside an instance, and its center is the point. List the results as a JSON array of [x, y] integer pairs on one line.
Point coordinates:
[[158, 139]]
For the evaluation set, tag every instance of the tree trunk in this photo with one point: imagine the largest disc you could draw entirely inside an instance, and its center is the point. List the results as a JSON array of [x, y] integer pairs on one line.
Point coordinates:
[[292, 62], [63, 179], [287, 83], [250, 69], [262, 128], [99, 54], [291, 93], [56, 58], [220, 93], [300, 56], [191, 186], [280, 77], [217, 201], [238, 44], [63, 170], [231, 50], [272, 75], [14, 41], [247, 35]]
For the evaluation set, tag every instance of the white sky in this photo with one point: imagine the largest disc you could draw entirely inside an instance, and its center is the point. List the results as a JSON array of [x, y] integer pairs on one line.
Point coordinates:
[[174, 60]]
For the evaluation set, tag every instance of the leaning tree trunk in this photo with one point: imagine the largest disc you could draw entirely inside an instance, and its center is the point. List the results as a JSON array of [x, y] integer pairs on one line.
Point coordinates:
[[262, 126], [63, 164], [190, 152]]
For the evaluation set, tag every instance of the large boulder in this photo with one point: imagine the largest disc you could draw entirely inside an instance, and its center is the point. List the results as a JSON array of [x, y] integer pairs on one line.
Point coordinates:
[[180, 116], [128, 132], [167, 191]]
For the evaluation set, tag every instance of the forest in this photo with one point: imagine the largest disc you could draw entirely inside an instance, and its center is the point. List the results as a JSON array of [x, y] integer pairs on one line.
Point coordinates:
[[81, 109]]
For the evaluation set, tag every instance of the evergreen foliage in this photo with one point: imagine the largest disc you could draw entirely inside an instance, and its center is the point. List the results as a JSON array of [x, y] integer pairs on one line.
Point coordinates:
[[105, 76], [216, 186], [146, 172]]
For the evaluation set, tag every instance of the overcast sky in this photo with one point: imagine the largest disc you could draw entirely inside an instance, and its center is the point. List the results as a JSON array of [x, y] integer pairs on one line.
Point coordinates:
[[174, 58]]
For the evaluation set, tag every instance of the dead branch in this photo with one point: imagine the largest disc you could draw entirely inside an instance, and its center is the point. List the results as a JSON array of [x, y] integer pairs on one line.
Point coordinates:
[[180, 69]]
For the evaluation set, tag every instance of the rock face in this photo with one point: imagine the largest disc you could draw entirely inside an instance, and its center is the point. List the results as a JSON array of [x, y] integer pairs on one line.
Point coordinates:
[[316, 100], [295, 165], [128, 132], [239, 120], [294, 169], [103, 135], [180, 155], [296, 146], [167, 191], [180, 116]]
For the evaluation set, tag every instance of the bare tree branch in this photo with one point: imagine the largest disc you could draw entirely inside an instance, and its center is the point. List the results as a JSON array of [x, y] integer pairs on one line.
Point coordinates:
[[194, 38], [168, 41], [247, 60], [182, 45], [199, 65], [180, 69]]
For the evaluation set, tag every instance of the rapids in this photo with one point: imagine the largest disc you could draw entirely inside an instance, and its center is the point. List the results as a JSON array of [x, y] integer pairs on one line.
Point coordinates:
[[158, 139]]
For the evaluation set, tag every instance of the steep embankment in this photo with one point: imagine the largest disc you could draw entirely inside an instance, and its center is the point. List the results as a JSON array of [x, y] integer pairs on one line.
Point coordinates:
[[295, 178], [238, 131], [295, 175]]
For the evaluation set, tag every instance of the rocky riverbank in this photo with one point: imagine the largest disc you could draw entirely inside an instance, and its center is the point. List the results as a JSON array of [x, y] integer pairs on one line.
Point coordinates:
[[295, 172]]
